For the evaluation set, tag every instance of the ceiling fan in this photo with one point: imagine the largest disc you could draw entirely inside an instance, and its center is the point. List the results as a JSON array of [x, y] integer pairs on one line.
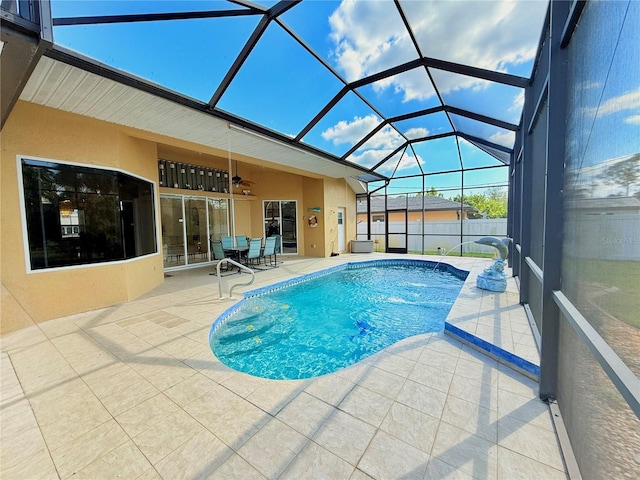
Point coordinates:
[[238, 181]]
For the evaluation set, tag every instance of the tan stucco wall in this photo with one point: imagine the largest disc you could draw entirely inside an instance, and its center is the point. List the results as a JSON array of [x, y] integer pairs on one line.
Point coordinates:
[[269, 184], [338, 194], [315, 238], [41, 132], [47, 133]]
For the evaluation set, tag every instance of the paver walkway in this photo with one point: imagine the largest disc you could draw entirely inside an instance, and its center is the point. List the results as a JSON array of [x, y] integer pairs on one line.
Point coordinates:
[[133, 391]]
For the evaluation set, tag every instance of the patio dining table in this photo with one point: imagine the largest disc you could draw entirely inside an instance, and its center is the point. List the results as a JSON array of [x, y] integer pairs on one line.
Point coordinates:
[[236, 252]]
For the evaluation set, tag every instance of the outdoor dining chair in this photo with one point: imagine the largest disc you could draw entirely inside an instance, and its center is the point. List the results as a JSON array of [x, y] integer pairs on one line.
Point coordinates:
[[218, 255], [255, 246], [269, 250], [241, 241], [227, 241]]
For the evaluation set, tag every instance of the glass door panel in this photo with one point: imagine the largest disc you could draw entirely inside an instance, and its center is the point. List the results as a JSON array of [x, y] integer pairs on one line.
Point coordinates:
[[196, 230], [289, 227], [186, 231], [218, 218], [172, 231], [280, 218]]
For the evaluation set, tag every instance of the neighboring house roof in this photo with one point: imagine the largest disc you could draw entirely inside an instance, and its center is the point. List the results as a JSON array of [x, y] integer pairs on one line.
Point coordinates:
[[605, 203], [411, 204]]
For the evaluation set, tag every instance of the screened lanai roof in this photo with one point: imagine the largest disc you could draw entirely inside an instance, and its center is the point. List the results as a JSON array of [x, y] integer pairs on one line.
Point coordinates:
[[382, 88]]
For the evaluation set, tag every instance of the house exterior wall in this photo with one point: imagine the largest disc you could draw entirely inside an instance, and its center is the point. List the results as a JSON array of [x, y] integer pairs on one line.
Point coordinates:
[[313, 239], [44, 133], [40, 132], [338, 195]]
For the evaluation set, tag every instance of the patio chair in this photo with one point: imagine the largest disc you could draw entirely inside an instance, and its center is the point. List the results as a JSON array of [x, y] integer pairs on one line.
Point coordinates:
[[227, 241], [241, 241], [255, 246], [278, 242], [218, 254], [269, 250]]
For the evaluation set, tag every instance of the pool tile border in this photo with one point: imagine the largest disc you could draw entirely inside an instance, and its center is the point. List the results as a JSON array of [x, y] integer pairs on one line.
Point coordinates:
[[501, 355], [441, 267]]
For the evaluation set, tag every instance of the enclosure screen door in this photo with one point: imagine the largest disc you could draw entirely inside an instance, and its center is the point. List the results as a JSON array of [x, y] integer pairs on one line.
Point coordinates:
[[397, 231]]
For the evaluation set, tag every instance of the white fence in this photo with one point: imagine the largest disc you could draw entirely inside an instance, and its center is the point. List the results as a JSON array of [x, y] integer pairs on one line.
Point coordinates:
[[613, 236], [437, 236]]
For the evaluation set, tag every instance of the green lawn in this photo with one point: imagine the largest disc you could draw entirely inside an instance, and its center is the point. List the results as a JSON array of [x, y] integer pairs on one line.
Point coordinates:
[[624, 302]]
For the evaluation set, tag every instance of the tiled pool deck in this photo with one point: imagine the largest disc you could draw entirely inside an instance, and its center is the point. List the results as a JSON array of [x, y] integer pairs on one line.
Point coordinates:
[[134, 392]]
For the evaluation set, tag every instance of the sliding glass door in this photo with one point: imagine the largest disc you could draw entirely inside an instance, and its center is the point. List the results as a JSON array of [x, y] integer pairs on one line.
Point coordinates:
[[187, 225], [172, 217], [196, 230], [280, 218]]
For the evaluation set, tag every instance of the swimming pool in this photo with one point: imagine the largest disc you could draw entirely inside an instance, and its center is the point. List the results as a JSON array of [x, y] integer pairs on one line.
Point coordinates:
[[328, 320]]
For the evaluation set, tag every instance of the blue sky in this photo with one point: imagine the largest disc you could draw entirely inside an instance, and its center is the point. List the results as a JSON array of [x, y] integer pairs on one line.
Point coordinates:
[[282, 86]]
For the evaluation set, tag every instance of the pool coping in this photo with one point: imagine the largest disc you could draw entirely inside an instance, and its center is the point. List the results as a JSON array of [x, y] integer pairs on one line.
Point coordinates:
[[517, 363]]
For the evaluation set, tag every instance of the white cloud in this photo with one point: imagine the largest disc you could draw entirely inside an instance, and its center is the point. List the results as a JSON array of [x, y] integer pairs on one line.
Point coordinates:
[[369, 158], [409, 161], [385, 138], [368, 37], [505, 139], [486, 34], [418, 132], [633, 119], [412, 85], [626, 101], [518, 102], [351, 132]]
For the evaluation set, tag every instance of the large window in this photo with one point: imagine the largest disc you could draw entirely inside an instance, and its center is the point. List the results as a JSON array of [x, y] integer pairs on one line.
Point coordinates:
[[78, 215]]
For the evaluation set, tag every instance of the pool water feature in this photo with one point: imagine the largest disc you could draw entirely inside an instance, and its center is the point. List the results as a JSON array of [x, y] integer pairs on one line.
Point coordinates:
[[320, 323]]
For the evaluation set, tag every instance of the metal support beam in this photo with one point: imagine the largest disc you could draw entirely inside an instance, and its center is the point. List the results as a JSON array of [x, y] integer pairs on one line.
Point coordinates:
[[553, 206], [151, 17], [495, 146], [525, 187], [482, 118], [515, 213], [490, 75], [572, 21]]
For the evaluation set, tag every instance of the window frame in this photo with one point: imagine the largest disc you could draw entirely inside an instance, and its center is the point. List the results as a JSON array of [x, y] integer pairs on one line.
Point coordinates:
[[23, 213]]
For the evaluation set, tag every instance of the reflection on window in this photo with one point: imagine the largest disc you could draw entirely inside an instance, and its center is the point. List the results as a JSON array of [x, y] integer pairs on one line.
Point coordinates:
[[80, 215], [280, 219]]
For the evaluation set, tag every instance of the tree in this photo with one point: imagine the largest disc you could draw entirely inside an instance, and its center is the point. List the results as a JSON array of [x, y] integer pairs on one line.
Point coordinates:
[[432, 192], [493, 203], [625, 173]]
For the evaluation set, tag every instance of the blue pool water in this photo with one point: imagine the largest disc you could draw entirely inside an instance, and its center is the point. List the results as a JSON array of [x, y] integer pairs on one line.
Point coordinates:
[[323, 322]]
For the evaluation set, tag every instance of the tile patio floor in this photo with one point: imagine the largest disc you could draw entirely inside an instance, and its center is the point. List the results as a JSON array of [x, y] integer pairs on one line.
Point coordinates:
[[134, 392]]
